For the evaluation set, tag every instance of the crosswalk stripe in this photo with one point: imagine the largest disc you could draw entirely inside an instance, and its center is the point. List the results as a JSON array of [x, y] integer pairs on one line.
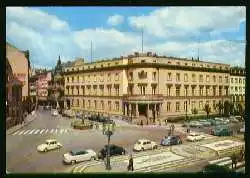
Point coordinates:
[[16, 132], [36, 132], [42, 131], [61, 131], [26, 132], [52, 130], [46, 130], [21, 132], [56, 131], [32, 131]]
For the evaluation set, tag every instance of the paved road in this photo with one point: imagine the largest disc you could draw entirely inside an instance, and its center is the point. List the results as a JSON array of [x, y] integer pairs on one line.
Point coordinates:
[[22, 156]]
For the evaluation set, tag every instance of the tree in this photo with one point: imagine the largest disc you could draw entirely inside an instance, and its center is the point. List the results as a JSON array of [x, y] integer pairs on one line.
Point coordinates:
[[226, 108], [241, 110], [231, 108], [194, 111], [220, 107], [207, 109]]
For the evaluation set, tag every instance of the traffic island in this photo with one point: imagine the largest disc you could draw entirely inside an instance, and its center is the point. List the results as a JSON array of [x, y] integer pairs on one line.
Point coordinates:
[[79, 125]]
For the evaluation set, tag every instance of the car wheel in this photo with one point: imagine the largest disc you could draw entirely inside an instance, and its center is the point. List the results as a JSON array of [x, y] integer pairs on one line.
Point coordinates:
[[73, 162], [92, 158], [45, 150], [155, 147], [142, 149]]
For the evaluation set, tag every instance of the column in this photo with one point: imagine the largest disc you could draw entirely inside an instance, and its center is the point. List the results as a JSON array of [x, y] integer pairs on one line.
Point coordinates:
[[148, 111], [136, 110], [125, 110], [160, 105]]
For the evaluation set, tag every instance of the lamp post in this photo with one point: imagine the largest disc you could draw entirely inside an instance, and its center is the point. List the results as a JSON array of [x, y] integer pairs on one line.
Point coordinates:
[[108, 130]]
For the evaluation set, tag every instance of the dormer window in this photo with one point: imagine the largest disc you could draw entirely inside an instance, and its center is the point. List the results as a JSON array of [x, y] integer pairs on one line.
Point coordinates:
[[101, 65]]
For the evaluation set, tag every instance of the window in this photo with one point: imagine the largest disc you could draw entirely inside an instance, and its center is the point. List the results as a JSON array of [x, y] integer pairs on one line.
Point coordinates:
[[130, 89], [109, 89], [178, 77], [186, 91], [193, 78], [214, 105], [68, 79], [193, 64], [193, 105], [77, 88], [177, 107], [95, 89], [109, 105], [178, 63], [186, 64], [201, 91], [89, 106], [239, 81], [154, 76], [201, 78], [193, 92], [207, 91], [102, 105], [116, 76], [77, 102], [78, 79], [130, 75], [168, 90], [236, 89], [220, 91], [83, 103], [109, 77], [185, 77], [168, 106], [169, 76], [220, 79], [232, 80], [95, 104], [117, 88], [185, 105], [153, 89], [214, 90], [226, 79], [94, 78], [178, 91], [214, 78], [117, 106]]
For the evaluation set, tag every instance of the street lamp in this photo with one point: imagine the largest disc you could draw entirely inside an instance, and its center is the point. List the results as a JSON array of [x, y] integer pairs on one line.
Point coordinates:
[[108, 128]]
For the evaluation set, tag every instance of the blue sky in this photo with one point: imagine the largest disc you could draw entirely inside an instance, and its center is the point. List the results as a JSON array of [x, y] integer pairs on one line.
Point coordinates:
[[218, 32]]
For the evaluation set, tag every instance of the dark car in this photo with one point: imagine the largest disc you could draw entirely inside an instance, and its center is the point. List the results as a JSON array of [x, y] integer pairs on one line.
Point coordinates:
[[114, 150], [171, 140]]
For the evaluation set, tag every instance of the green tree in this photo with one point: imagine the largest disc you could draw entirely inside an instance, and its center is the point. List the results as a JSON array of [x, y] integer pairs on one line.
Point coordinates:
[[194, 111], [207, 109], [241, 110], [231, 108], [226, 108]]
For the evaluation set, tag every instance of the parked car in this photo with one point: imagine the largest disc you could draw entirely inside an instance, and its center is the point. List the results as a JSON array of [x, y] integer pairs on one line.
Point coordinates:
[[75, 156], [212, 121], [193, 136], [233, 119], [205, 123], [222, 131], [54, 112], [114, 150], [69, 113], [195, 124], [144, 144], [171, 140], [47, 107], [50, 144]]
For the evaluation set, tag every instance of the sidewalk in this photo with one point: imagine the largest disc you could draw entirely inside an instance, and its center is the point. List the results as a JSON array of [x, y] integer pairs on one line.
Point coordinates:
[[27, 121], [100, 168]]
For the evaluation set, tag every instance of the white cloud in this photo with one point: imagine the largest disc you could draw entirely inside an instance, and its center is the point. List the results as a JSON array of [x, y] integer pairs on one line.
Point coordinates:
[[170, 21], [46, 41], [115, 20]]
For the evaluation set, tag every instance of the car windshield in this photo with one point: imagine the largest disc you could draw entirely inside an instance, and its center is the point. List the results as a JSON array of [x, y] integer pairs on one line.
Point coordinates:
[[138, 142]]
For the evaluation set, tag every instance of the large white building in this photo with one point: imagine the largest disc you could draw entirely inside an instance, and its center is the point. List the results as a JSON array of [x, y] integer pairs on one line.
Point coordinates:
[[237, 85]]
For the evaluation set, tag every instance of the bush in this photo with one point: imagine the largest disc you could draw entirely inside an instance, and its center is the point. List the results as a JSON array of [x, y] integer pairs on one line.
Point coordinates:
[[79, 125]]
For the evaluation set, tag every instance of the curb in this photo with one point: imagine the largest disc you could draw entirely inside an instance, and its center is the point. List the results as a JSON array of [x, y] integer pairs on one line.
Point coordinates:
[[22, 125]]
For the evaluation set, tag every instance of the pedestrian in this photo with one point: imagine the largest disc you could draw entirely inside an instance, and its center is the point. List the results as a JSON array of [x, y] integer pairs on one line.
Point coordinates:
[[173, 128], [130, 163], [234, 161], [141, 123], [166, 121]]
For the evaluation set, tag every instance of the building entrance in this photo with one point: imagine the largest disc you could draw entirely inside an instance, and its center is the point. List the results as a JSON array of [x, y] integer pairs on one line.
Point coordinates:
[[142, 109]]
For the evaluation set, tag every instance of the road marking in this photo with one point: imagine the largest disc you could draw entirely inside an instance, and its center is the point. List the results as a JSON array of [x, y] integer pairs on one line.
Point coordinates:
[[52, 130], [61, 131], [46, 130], [32, 131], [36, 132], [16, 132], [21, 132], [56, 131], [42, 131], [26, 132]]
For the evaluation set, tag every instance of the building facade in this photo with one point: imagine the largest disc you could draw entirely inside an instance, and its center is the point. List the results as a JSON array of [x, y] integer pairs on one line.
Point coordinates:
[[237, 85], [56, 87], [14, 110], [42, 86], [20, 64], [146, 86]]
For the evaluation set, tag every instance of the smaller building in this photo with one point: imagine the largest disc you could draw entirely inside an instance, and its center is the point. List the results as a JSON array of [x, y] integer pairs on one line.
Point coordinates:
[[237, 85], [42, 87]]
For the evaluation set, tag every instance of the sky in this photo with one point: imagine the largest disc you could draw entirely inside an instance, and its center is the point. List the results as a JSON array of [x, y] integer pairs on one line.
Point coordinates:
[[215, 34]]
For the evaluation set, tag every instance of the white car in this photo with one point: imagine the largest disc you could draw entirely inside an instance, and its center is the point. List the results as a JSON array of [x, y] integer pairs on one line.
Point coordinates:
[[54, 113], [144, 144], [195, 124], [50, 144], [79, 155], [193, 136]]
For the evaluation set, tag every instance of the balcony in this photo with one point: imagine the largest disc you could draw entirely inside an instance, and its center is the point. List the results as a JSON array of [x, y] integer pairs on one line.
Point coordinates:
[[147, 97]]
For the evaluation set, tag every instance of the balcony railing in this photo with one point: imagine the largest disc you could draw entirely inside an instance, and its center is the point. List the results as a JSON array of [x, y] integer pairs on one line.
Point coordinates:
[[147, 97]]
